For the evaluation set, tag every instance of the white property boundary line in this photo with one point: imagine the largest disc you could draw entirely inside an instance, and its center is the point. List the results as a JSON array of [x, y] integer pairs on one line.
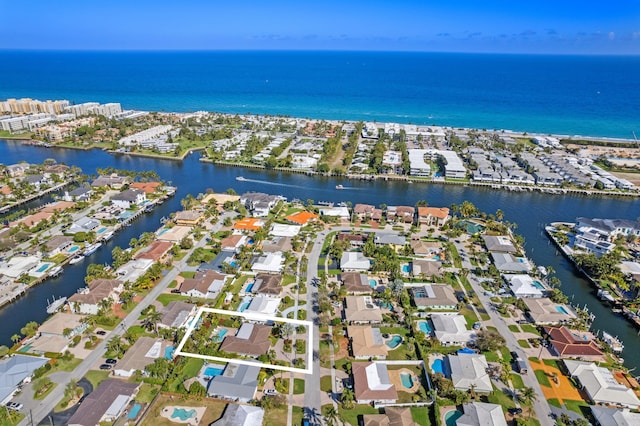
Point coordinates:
[[254, 317]]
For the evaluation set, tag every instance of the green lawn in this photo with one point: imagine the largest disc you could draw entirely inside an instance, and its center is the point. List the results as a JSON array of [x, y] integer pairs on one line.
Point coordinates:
[[554, 402], [146, 393], [576, 406], [506, 355], [528, 328], [421, 415], [501, 398], [542, 378], [297, 416], [351, 415], [95, 377], [551, 363], [325, 384], [514, 328], [192, 367], [491, 356], [523, 343], [298, 386], [62, 365], [517, 381], [188, 274], [274, 416]]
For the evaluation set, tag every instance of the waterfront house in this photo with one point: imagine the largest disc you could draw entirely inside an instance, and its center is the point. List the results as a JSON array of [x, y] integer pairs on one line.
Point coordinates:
[[56, 245], [363, 212], [469, 370], [15, 370], [355, 282], [259, 204], [481, 413], [371, 383], [133, 269], [570, 343], [240, 415], [283, 230], [506, 262], [393, 416], [189, 218], [205, 284], [361, 310], [128, 198], [302, 218], [270, 262], [499, 243], [366, 342], [341, 212], [238, 382], [18, 265], [82, 193], [174, 234], [87, 300], [84, 224], [354, 261], [17, 170], [433, 216], [524, 286], [146, 187], [250, 340], [219, 199], [612, 228], [403, 214], [157, 251], [608, 416], [451, 330], [113, 181], [234, 242], [105, 404], [177, 314], [142, 353], [248, 224], [433, 297], [544, 311], [600, 385]]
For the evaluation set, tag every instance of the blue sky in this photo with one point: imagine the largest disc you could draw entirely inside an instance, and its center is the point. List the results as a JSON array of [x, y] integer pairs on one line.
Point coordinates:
[[510, 26]]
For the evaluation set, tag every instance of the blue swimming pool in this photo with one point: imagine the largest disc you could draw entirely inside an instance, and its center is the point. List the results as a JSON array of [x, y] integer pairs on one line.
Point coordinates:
[[133, 413], [373, 283], [451, 417], [43, 268], [394, 342], [101, 230], [538, 285], [244, 306], [218, 337], [561, 310], [407, 380], [168, 352], [424, 327], [126, 214], [406, 268], [249, 288], [162, 231], [73, 249], [213, 371], [438, 366], [183, 414]]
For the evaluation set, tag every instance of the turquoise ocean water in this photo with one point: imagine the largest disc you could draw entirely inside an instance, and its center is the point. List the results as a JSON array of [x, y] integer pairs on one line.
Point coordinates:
[[575, 95]]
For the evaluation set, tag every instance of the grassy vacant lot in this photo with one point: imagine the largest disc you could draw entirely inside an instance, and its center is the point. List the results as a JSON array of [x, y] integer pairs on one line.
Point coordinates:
[[275, 416], [351, 415]]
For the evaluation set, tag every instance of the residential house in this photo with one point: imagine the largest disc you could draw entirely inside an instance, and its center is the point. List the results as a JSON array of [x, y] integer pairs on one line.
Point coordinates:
[[524, 286], [87, 300], [499, 243], [433, 216], [395, 241], [361, 310], [189, 217], [105, 404], [404, 214], [268, 284], [451, 330], [146, 187], [248, 224], [366, 342], [506, 262], [219, 199], [363, 212], [544, 311], [569, 343], [426, 268], [84, 224], [354, 261], [354, 240], [82, 193], [433, 297], [371, 383], [355, 282], [238, 382], [56, 245], [393, 416], [157, 251], [133, 269], [469, 370], [600, 385], [425, 248], [128, 198], [482, 413], [277, 244], [270, 262], [63, 324], [240, 415], [608, 416], [282, 230], [264, 304], [205, 284], [113, 181], [15, 370], [250, 340], [17, 170], [302, 218], [234, 242], [142, 353], [259, 204], [177, 314]]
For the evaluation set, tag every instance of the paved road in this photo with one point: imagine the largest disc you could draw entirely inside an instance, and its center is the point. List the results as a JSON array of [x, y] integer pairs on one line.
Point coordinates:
[[38, 410]]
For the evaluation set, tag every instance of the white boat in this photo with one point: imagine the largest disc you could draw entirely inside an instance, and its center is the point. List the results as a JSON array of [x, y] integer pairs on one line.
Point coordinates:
[[107, 236], [614, 343], [90, 249], [55, 271], [53, 306], [339, 187], [75, 259], [240, 178]]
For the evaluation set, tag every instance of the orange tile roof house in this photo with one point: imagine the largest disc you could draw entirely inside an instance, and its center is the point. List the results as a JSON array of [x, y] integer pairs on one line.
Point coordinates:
[[248, 224], [158, 251], [250, 340], [393, 416], [573, 343], [433, 216], [302, 218], [147, 187], [371, 383]]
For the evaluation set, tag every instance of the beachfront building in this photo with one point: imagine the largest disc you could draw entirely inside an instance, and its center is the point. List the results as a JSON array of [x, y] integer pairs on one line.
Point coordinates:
[[419, 167]]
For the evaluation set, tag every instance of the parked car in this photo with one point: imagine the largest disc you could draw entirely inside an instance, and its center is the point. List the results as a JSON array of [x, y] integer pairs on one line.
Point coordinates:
[[15, 406], [175, 290], [101, 332], [515, 410], [270, 392], [106, 366], [111, 361]]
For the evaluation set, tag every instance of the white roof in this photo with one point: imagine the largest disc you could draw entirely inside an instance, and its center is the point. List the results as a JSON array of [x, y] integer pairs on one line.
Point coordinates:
[[522, 286], [264, 305], [342, 212], [354, 260], [468, 370], [451, 328], [117, 406], [281, 230], [271, 262], [18, 265], [378, 377], [600, 384], [482, 413]]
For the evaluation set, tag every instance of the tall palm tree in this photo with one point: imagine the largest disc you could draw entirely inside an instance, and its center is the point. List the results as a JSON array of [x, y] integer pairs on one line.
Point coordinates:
[[151, 320], [528, 396], [331, 414]]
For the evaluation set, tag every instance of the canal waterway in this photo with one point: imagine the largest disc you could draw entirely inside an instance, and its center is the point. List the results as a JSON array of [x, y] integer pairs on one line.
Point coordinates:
[[531, 211]]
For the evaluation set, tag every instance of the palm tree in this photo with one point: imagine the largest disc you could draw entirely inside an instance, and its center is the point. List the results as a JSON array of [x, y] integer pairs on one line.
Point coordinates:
[[114, 345], [16, 338], [151, 320], [347, 399], [528, 396], [331, 414]]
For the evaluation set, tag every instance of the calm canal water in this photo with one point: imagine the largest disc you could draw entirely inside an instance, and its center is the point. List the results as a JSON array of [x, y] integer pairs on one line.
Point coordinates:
[[531, 211]]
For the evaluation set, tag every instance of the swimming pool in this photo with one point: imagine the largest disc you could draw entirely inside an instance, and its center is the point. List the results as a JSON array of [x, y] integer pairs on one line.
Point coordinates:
[[249, 288], [162, 231], [394, 342], [244, 306], [451, 417], [438, 366], [101, 230], [168, 352], [406, 268], [126, 214], [43, 268], [183, 414], [538, 285], [73, 249], [213, 371], [133, 413], [373, 283], [407, 380], [424, 327], [561, 310], [218, 337]]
